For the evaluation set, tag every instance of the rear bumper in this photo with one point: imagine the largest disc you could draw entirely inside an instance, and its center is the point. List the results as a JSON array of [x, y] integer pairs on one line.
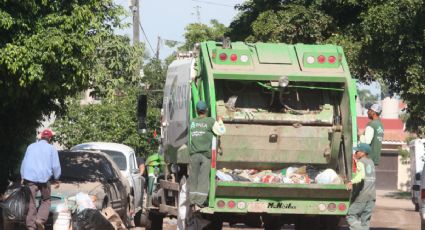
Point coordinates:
[[306, 199]]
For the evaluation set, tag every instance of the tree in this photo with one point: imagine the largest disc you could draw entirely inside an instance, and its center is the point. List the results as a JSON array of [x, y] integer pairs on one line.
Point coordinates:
[[112, 120], [198, 32], [47, 52], [366, 97], [382, 39]]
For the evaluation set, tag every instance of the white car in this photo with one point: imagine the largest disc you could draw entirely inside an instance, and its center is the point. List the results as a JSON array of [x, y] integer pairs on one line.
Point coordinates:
[[125, 158]]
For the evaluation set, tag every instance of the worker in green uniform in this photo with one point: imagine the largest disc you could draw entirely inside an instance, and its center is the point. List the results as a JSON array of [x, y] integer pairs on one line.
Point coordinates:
[[363, 201], [202, 130], [374, 133]]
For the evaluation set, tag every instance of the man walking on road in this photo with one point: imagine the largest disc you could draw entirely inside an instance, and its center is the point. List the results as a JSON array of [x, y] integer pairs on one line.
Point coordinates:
[[202, 130], [364, 192], [374, 133], [40, 163]]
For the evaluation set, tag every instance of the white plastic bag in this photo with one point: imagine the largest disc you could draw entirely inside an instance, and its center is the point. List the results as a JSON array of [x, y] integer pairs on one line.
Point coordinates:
[[84, 201], [329, 176], [184, 206], [223, 176]]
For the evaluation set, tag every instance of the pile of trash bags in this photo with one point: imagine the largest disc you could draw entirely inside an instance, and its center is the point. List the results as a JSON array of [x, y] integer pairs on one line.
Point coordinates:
[[16, 204], [89, 218], [291, 175]]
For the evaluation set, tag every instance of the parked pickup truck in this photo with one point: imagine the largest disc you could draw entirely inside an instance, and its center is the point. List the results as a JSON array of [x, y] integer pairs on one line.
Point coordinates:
[[125, 158]]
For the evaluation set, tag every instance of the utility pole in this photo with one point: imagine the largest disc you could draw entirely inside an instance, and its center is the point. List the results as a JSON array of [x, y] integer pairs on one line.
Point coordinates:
[[136, 32], [198, 13], [136, 21], [158, 46]]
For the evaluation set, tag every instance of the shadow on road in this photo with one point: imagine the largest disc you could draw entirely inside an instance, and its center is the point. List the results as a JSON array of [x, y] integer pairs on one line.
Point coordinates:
[[399, 195]]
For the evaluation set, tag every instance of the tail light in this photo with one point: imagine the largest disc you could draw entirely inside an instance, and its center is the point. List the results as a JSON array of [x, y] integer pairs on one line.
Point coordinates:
[[310, 59], [331, 59], [322, 207], [221, 204], [231, 204], [331, 207], [422, 193], [342, 207], [233, 57], [241, 205], [321, 59], [223, 56]]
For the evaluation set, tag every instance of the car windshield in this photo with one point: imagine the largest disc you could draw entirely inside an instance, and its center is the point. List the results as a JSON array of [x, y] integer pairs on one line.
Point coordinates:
[[83, 166], [117, 157]]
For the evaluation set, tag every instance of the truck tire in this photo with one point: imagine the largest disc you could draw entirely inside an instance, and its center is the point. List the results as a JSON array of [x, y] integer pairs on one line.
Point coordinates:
[[330, 222], [154, 221], [307, 223], [271, 222], [215, 225]]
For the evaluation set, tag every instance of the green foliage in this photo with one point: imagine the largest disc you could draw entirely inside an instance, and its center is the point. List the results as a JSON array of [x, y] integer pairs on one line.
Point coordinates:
[[112, 120], [366, 97], [382, 39], [198, 32], [47, 52], [115, 66]]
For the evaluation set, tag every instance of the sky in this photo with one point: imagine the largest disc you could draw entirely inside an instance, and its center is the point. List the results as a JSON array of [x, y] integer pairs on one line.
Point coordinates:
[[168, 18]]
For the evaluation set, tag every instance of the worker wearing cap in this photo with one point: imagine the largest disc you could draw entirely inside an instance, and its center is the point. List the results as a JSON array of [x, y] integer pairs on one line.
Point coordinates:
[[363, 186], [40, 164], [374, 133], [202, 130]]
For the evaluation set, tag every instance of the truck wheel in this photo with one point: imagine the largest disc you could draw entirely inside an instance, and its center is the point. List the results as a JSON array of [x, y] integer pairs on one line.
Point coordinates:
[[271, 223], [154, 221], [330, 222], [215, 225], [307, 223]]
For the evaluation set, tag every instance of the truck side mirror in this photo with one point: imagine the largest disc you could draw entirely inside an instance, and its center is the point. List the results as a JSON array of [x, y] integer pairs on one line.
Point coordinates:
[[418, 176], [142, 109], [416, 187]]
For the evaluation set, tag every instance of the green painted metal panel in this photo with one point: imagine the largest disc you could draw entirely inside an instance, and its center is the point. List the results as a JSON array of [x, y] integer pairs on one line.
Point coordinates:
[[252, 76], [273, 53], [249, 146], [280, 205]]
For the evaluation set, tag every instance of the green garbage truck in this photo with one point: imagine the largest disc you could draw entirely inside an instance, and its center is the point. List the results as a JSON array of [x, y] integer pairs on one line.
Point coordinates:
[[286, 107]]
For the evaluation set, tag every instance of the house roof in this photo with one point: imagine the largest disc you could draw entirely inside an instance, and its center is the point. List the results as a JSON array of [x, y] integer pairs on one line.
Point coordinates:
[[393, 128]]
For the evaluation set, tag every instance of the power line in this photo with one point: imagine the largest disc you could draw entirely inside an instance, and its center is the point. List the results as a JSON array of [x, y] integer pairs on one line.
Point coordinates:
[[213, 3], [146, 37]]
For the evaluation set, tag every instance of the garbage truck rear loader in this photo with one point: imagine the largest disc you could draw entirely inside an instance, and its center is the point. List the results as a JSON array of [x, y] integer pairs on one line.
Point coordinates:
[[289, 112]]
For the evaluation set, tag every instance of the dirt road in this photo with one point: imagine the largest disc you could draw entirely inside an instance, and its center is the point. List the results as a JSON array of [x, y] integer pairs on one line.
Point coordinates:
[[393, 211]]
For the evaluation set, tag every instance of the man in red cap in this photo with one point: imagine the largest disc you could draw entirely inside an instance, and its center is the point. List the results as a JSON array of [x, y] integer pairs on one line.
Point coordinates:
[[40, 164]]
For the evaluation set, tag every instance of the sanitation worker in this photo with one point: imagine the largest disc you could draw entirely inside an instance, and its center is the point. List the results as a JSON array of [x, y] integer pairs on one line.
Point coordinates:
[[202, 131], [40, 164], [363, 186], [374, 133]]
